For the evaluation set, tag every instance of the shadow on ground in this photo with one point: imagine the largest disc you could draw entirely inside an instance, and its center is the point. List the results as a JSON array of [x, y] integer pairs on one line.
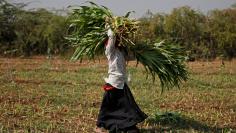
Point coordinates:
[[174, 122]]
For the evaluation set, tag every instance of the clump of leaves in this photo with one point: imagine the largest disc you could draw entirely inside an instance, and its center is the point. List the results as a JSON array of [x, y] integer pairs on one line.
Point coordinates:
[[88, 33], [168, 118]]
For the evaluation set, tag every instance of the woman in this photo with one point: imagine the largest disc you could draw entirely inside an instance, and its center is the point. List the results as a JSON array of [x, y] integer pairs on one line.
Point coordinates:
[[119, 111]]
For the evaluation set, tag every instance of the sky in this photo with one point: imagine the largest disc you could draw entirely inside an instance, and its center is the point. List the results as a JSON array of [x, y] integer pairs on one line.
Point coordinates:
[[120, 7]]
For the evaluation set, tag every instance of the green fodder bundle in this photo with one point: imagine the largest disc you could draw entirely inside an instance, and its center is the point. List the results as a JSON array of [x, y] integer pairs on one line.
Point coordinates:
[[164, 60], [88, 29], [88, 33]]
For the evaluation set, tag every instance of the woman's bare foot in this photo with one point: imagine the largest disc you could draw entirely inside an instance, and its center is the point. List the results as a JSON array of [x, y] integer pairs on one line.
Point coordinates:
[[99, 130]]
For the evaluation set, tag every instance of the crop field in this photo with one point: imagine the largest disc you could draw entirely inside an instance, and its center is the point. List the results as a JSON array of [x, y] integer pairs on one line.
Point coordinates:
[[56, 95]]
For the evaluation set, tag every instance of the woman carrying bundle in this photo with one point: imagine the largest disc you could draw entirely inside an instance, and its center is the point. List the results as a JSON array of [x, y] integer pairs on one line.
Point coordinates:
[[119, 111]]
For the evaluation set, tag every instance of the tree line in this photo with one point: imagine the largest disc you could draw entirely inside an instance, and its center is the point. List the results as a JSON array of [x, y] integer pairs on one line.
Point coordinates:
[[203, 36], [41, 32]]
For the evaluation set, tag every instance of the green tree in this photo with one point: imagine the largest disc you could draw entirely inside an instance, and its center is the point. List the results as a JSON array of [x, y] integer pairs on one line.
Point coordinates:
[[41, 32], [185, 26], [223, 31], [7, 25]]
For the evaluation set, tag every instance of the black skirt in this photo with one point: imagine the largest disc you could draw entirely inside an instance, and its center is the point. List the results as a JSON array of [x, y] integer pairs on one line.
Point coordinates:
[[119, 110]]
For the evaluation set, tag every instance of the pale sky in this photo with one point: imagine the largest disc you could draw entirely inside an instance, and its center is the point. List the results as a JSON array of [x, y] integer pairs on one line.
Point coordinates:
[[120, 7]]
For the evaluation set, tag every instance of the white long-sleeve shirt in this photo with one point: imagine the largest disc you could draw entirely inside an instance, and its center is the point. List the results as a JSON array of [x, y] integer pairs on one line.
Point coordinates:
[[116, 64]]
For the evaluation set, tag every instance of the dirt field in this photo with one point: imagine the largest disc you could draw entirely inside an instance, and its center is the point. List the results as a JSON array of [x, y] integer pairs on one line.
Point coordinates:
[[56, 95]]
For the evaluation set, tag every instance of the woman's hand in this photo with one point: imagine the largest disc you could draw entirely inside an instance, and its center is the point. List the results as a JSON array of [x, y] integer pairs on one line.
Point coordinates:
[[110, 33]]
